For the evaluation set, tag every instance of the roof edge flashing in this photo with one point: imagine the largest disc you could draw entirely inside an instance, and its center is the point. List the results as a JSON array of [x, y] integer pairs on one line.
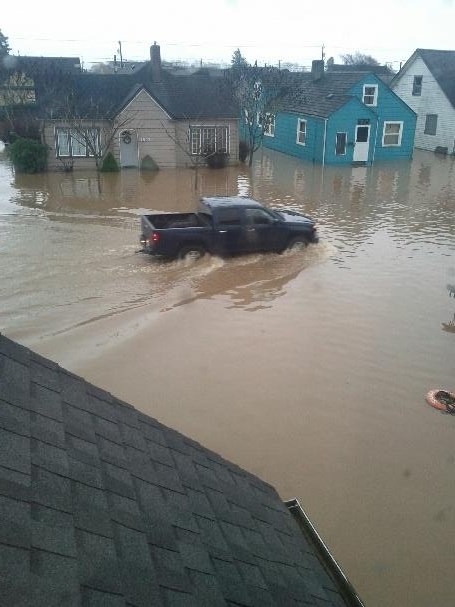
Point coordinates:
[[347, 590]]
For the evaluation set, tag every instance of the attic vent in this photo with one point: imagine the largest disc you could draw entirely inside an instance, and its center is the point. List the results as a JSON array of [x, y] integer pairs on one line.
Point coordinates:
[[329, 96]]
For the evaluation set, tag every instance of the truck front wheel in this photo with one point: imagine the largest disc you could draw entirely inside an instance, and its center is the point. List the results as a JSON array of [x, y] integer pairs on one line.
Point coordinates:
[[192, 253], [297, 244]]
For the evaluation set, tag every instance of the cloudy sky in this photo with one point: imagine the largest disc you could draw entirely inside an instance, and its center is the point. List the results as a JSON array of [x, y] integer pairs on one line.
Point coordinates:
[[269, 31]]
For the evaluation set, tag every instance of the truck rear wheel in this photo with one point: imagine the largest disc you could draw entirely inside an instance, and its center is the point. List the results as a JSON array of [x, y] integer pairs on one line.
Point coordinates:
[[192, 253]]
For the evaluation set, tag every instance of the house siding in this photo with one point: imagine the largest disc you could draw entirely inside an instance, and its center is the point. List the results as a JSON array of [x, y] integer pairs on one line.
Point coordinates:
[[154, 129], [181, 133], [345, 120], [285, 138], [389, 108], [432, 101], [49, 138]]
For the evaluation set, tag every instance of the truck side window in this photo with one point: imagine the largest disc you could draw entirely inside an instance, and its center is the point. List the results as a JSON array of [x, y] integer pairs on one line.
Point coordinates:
[[228, 217], [258, 217]]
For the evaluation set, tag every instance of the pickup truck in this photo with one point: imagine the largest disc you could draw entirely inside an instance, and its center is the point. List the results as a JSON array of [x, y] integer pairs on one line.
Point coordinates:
[[225, 226]]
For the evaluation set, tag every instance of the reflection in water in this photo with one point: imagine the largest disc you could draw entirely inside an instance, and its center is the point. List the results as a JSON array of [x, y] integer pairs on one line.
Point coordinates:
[[319, 388]]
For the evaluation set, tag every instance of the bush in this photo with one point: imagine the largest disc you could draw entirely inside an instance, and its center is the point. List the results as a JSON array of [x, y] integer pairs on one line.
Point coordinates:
[[244, 150], [109, 164], [28, 155], [148, 164], [217, 160]]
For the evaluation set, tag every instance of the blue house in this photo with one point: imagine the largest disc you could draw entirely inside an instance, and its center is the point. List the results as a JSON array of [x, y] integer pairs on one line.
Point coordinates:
[[341, 118]]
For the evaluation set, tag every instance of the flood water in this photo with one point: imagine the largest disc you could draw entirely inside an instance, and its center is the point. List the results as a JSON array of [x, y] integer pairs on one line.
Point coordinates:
[[309, 369]]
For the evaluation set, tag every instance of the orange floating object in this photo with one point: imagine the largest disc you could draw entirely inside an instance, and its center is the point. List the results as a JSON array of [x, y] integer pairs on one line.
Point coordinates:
[[442, 400]]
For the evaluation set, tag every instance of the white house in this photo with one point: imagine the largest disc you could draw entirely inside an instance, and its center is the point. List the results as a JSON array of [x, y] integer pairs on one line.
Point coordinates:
[[426, 83]]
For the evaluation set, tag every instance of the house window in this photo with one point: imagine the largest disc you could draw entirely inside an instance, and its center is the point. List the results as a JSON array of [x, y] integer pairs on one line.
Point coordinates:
[[269, 125], [209, 139], [417, 86], [370, 94], [81, 143], [392, 133], [431, 124], [340, 144], [301, 131]]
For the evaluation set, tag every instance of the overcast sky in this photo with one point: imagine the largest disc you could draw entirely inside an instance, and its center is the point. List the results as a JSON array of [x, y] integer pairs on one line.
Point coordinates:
[[269, 31]]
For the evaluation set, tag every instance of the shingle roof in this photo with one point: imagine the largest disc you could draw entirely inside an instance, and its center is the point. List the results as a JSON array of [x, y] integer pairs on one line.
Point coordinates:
[[101, 504], [320, 97], [381, 71], [442, 65], [195, 96], [42, 65]]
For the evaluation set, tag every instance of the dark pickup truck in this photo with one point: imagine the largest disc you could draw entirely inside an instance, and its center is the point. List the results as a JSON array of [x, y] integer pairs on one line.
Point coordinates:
[[225, 226]]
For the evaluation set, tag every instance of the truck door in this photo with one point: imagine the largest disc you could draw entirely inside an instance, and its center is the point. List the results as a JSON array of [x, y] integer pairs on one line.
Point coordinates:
[[263, 231], [229, 231]]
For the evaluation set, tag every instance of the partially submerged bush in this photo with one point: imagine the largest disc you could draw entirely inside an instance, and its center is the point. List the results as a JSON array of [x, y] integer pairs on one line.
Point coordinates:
[[148, 164], [109, 164], [217, 160], [28, 155]]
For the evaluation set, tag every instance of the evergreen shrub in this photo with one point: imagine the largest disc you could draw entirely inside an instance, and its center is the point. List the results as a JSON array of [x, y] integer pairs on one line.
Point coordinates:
[[28, 155], [109, 164]]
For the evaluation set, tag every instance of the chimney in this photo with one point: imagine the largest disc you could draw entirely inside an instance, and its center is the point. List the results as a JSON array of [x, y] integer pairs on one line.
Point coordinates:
[[155, 59], [317, 69]]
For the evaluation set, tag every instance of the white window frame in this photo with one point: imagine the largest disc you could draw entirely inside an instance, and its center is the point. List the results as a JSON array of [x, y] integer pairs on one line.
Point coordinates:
[[301, 131], [345, 142], [375, 95], [70, 135], [196, 137], [269, 131], [400, 134]]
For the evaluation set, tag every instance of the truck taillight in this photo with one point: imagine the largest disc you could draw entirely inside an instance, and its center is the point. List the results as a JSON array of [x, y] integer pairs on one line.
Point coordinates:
[[155, 237]]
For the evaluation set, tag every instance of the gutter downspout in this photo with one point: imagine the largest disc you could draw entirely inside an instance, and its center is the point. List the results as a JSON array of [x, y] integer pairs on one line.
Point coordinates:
[[375, 139], [325, 138], [345, 587]]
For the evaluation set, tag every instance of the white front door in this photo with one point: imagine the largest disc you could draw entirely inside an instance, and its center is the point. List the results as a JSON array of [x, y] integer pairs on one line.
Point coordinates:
[[362, 143], [128, 149]]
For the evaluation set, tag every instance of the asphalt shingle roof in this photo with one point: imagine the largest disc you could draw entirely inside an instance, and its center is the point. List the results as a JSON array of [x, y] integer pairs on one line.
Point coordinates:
[[442, 65], [320, 97], [101, 504], [196, 96]]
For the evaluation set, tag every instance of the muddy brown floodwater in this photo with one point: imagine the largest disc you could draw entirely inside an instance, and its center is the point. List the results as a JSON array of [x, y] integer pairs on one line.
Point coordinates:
[[309, 369]]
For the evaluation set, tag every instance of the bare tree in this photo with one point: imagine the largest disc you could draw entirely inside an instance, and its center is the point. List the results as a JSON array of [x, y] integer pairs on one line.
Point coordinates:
[[255, 91], [358, 58], [92, 126], [182, 139]]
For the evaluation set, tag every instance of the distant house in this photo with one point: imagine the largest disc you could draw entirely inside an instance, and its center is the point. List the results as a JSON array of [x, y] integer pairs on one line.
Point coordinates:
[[426, 83], [341, 117], [20, 77], [382, 71], [24, 80], [146, 113]]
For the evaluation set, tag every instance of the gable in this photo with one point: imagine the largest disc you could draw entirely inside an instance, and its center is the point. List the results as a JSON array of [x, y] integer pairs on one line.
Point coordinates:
[[142, 100], [386, 97], [437, 66]]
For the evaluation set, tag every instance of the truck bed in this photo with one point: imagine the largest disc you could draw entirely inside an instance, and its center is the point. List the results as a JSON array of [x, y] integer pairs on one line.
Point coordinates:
[[162, 221]]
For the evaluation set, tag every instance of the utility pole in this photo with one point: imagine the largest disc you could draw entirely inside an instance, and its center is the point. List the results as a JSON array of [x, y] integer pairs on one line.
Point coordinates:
[[120, 53]]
